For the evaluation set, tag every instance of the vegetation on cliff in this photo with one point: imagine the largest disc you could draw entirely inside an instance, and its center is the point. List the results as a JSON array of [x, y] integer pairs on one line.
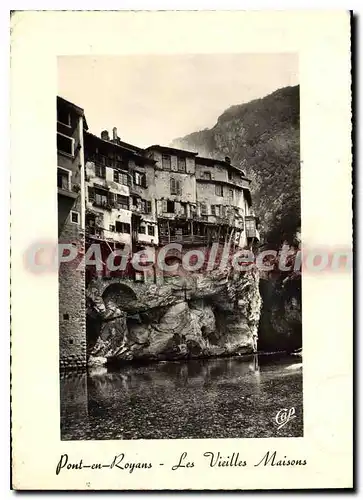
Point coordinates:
[[262, 137]]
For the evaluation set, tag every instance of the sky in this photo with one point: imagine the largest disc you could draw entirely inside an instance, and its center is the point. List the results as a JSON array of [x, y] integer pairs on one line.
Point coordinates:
[[153, 99]]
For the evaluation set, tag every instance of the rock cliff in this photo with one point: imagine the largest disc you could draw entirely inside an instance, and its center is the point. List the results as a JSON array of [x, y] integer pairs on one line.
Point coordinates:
[[195, 316], [263, 138]]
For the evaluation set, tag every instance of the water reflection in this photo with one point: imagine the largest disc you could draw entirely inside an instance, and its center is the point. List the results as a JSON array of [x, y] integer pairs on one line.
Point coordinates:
[[230, 397]]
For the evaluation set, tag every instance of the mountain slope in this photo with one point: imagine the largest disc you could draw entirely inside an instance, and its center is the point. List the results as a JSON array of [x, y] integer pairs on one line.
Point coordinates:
[[263, 138]]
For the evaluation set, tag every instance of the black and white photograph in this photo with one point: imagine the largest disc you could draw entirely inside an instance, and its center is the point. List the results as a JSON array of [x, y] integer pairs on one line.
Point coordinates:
[[179, 226], [181, 290]]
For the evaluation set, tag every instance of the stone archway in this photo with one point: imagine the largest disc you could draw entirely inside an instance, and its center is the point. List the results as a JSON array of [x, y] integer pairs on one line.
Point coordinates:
[[120, 295]]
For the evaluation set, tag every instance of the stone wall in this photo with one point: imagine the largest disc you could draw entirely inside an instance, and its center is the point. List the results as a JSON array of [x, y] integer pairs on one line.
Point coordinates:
[[72, 300]]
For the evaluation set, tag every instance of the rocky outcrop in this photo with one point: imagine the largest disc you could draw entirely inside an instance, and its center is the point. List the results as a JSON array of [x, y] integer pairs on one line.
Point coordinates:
[[281, 321], [194, 316]]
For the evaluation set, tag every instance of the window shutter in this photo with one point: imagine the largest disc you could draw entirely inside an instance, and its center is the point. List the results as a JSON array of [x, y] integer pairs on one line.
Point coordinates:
[[178, 188], [164, 206], [172, 186], [91, 194]]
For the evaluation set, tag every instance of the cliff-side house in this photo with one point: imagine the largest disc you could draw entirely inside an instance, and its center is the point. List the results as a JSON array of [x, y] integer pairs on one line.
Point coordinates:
[[71, 127]]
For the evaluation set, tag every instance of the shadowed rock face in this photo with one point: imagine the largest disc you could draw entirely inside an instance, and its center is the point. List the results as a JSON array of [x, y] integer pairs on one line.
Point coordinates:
[[195, 316]]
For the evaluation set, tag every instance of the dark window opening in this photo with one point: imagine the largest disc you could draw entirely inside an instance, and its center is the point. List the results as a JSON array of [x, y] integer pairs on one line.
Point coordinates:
[[65, 144], [170, 207], [151, 231], [142, 230], [66, 317], [122, 227], [64, 117], [100, 171], [219, 190], [101, 197], [75, 217], [123, 202], [63, 179]]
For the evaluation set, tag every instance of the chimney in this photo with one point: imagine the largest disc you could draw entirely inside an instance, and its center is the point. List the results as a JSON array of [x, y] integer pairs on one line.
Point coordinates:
[[114, 134], [227, 160], [104, 135]]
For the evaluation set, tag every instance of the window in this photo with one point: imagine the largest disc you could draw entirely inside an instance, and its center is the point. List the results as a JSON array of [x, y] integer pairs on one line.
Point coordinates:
[[142, 230], [181, 164], [100, 171], [151, 230], [206, 175], [64, 117], [203, 209], [219, 190], [183, 208], [115, 176], [139, 179], [123, 202], [122, 227], [250, 225], [148, 207], [112, 228], [91, 193], [65, 144], [230, 175], [231, 194], [100, 197], [123, 179], [74, 217], [166, 162], [175, 187], [66, 317], [63, 179], [170, 207], [213, 209]]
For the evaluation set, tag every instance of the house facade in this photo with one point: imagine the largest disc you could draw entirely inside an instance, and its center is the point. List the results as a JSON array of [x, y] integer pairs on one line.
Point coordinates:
[[126, 198], [225, 203], [71, 126]]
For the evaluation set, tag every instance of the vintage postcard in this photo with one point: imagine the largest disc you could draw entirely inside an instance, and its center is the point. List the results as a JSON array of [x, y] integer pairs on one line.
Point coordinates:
[[182, 284]]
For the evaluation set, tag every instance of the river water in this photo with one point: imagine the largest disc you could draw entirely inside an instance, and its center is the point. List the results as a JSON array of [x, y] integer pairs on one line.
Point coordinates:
[[235, 397]]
